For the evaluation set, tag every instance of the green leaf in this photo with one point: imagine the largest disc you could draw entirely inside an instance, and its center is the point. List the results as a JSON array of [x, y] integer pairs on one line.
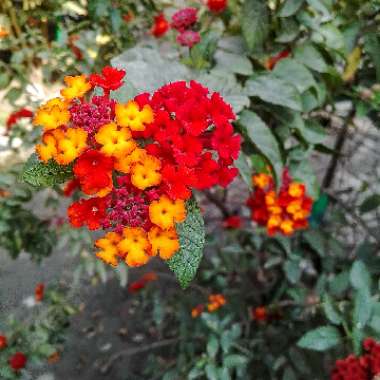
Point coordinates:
[[290, 7], [333, 37], [316, 241], [274, 90], [362, 308], [292, 270], [244, 169], [39, 174], [372, 47], [202, 53], [235, 63], [330, 311], [261, 136], [360, 277], [255, 23], [212, 346], [211, 372], [294, 73], [320, 339], [192, 239], [371, 203], [310, 57], [235, 360]]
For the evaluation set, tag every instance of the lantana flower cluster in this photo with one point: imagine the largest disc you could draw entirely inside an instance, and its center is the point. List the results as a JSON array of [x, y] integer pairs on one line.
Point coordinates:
[[137, 162], [184, 21], [364, 367], [215, 302], [283, 212]]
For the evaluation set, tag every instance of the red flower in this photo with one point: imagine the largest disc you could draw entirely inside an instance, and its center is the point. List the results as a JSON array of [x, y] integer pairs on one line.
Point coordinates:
[[272, 61], [217, 5], [233, 221], [161, 25], [260, 314], [15, 116], [18, 361], [349, 368], [184, 18], [94, 172], [3, 342], [177, 181], [88, 211], [70, 187], [128, 17], [188, 38], [142, 282], [39, 292], [110, 79], [225, 142]]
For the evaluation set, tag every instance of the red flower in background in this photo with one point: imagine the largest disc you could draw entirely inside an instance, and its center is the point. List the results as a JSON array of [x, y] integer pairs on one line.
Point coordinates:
[[90, 212], [142, 282], [188, 38], [184, 18], [272, 61], [18, 361], [232, 222], [15, 116], [160, 26], [39, 292], [260, 314], [217, 5], [110, 79], [3, 342]]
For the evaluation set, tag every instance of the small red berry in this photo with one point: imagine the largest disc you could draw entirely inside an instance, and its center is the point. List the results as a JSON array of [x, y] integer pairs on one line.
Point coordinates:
[[18, 361]]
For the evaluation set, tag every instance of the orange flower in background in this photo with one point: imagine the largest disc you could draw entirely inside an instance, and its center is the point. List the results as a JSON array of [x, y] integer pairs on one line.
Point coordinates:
[[142, 282], [3, 342], [39, 292], [215, 302], [197, 311], [3, 32], [76, 87], [54, 358], [160, 26], [272, 61], [283, 212]]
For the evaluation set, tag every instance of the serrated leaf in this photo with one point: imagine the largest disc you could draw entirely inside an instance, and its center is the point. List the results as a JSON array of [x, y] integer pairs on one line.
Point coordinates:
[[191, 235], [255, 23], [320, 339], [39, 174], [261, 136], [275, 91]]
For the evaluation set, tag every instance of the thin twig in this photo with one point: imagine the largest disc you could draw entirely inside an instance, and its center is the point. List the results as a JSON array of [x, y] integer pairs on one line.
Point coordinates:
[[149, 347]]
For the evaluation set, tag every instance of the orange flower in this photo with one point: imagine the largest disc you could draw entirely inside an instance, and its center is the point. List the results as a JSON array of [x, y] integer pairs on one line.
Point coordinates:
[[146, 173], [197, 311], [262, 180], [108, 248], [124, 163], [54, 358], [52, 114], [260, 314], [129, 115], [166, 212], [76, 87], [134, 246], [164, 243], [215, 302]]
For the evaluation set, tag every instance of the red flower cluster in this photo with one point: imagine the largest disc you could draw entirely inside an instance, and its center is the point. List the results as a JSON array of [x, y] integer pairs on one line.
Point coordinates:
[[183, 21], [365, 367], [3, 342], [39, 292], [217, 5], [284, 212], [18, 361], [137, 162], [160, 26], [233, 222], [17, 115], [272, 61]]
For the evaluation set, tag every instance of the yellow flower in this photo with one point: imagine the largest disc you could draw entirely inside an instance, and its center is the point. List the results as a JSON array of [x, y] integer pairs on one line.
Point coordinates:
[[124, 163], [109, 251], [129, 115], [166, 212], [271, 199], [296, 189], [76, 87], [115, 142], [287, 227], [48, 149], [261, 180], [134, 246], [274, 221], [146, 173], [71, 145], [164, 243], [52, 114]]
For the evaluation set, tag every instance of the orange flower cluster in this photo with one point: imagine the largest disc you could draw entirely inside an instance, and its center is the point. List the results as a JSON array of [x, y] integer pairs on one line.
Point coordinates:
[[215, 302], [137, 161], [283, 212]]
